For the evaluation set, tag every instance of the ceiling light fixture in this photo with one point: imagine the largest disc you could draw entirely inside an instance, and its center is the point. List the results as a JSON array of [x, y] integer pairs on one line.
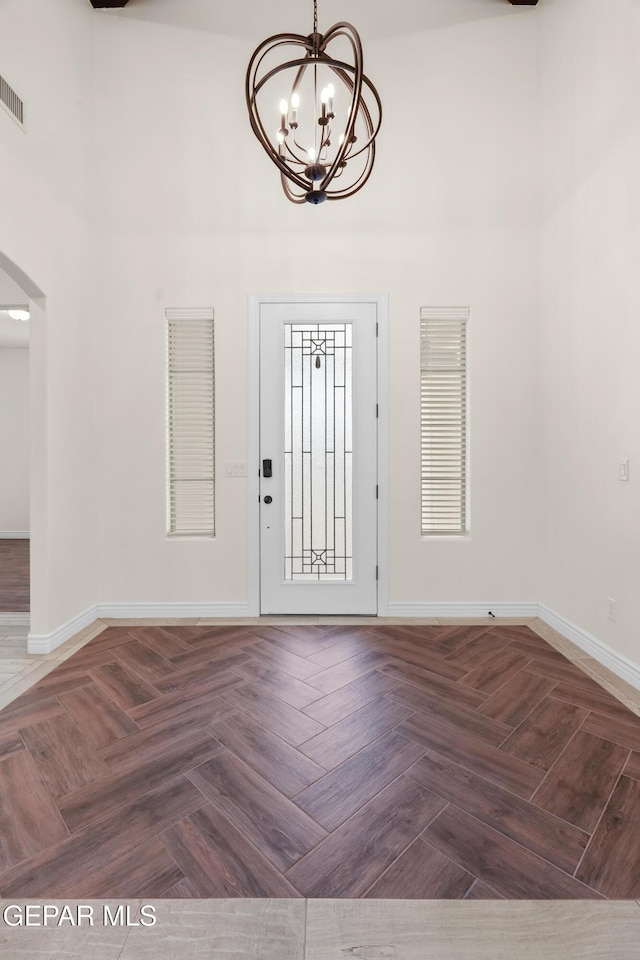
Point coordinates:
[[329, 112], [19, 314]]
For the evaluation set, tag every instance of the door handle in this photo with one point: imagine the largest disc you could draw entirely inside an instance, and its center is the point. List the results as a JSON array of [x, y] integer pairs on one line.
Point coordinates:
[[268, 499], [267, 469]]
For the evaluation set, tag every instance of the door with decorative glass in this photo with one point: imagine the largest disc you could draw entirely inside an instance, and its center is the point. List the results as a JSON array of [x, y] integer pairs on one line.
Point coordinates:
[[318, 457]]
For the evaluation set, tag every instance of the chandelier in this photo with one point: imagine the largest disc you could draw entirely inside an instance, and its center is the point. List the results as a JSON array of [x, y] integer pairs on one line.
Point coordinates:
[[322, 136]]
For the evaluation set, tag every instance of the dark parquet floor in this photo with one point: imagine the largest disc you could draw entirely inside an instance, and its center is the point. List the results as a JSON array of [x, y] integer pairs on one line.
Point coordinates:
[[385, 761], [14, 576]]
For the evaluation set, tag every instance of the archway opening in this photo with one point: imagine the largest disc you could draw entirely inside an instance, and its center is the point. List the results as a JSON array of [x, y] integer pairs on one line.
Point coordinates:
[[21, 305]]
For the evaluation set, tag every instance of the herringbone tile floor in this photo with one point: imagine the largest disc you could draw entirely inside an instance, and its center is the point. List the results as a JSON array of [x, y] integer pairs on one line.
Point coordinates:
[[414, 762]]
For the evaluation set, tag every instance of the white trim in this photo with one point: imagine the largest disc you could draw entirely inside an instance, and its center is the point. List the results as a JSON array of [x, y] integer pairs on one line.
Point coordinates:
[[42, 643], [15, 619], [383, 454], [14, 534], [172, 610], [253, 454], [381, 301], [463, 609], [616, 662]]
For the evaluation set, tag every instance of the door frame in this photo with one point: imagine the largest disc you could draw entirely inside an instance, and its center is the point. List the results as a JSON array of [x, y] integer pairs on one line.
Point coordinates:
[[381, 302]]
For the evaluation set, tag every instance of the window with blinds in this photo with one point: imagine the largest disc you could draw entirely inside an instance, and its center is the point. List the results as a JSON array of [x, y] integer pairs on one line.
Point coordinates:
[[191, 423], [443, 420]]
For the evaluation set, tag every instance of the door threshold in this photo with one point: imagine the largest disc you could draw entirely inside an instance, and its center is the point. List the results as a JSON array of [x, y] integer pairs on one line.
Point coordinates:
[[322, 619]]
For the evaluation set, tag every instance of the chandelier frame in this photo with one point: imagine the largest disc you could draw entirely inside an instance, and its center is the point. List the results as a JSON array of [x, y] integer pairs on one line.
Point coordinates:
[[316, 185]]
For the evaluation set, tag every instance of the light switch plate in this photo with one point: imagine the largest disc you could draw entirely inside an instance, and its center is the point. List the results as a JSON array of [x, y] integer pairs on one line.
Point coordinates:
[[623, 470], [235, 468]]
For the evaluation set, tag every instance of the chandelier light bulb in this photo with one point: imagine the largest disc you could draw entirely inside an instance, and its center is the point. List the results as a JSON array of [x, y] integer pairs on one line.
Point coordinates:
[[331, 90], [341, 161], [295, 103]]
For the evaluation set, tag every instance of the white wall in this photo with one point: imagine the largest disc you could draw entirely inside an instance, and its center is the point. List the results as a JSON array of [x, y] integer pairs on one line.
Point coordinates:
[[590, 78], [11, 294], [189, 212], [14, 441], [185, 209], [46, 54]]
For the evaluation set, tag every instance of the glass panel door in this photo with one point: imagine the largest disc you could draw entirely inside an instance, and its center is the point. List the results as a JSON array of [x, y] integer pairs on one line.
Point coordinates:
[[318, 430]]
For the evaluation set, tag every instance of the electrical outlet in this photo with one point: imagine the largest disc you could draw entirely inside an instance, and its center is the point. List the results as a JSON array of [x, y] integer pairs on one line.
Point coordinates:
[[612, 608]]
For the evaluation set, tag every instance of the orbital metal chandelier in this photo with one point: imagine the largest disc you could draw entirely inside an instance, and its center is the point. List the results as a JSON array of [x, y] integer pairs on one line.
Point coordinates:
[[329, 111]]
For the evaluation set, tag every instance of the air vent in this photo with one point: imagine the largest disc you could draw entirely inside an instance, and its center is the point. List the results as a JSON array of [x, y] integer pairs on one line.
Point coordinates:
[[10, 99]]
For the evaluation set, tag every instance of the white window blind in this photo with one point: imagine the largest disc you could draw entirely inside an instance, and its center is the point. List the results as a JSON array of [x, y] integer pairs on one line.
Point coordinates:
[[443, 420], [191, 426]]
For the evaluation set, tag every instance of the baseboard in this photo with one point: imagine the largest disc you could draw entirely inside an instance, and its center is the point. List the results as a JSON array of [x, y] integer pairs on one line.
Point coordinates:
[[14, 535], [47, 642], [616, 662], [173, 611], [15, 619], [463, 609], [620, 665], [41, 643]]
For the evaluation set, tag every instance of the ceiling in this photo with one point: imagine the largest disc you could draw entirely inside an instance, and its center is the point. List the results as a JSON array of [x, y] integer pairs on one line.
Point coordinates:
[[256, 19]]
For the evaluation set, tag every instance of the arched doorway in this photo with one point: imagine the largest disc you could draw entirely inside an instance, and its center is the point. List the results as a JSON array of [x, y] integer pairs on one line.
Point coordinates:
[[22, 448]]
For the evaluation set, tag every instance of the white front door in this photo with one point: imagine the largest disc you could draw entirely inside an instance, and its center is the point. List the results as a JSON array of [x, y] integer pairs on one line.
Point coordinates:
[[318, 457]]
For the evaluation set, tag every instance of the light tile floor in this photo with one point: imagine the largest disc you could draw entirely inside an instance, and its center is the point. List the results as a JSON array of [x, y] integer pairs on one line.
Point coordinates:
[[489, 930], [19, 670], [66, 942], [343, 930], [222, 930]]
